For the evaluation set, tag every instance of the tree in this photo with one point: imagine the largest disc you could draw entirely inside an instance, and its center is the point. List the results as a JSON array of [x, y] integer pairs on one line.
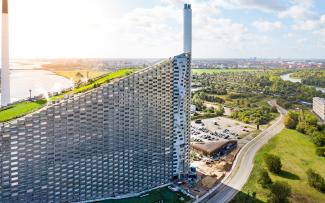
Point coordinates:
[[315, 180], [264, 179], [79, 75], [301, 127], [318, 139], [279, 192], [291, 120], [290, 123], [273, 163]]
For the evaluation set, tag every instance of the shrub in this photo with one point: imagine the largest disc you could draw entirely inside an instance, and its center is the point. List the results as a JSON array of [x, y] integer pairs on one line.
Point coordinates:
[[279, 192], [301, 127], [320, 151], [291, 120], [273, 163], [315, 180], [318, 139], [290, 123], [264, 179]]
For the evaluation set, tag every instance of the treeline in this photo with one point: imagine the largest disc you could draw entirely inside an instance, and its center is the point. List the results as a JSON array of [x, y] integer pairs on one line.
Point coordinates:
[[307, 123], [311, 77]]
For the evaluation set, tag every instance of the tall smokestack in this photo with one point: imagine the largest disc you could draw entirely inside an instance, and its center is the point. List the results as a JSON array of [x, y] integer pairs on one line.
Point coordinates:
[[5, 74], [187, 28]]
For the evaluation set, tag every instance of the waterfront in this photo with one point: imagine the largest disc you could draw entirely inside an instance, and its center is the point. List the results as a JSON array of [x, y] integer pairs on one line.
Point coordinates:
[[287, 77], [27, 75]]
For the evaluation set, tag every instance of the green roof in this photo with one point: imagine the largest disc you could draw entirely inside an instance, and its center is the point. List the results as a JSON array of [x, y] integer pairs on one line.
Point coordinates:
[[25, 107]]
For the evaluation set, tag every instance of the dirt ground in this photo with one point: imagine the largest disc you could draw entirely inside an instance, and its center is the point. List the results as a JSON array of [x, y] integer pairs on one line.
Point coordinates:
[[211, 173]]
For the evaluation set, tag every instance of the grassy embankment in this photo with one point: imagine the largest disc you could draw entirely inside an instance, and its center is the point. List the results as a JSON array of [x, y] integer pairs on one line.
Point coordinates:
[[212, 71], [297, 154], [164, 195], [26, 107]]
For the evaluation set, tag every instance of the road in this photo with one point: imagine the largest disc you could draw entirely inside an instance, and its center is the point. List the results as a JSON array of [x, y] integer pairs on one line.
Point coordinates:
[[243, 164]]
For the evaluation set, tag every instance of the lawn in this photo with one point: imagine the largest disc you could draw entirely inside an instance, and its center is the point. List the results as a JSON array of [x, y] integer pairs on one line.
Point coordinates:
[[211, 71], [297, 154], [164, 195], [20, 109], [23, 108]]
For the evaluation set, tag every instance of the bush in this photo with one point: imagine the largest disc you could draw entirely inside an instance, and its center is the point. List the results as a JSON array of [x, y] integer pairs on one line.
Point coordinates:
[[318, 139], [291, 120], [320, 151], [315, 180], [264, 179], [301, 127], [279, 192], [290, 123], [273, 163]]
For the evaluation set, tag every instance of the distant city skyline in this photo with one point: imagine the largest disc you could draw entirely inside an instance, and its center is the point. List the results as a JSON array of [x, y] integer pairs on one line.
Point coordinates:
[[152, 29]]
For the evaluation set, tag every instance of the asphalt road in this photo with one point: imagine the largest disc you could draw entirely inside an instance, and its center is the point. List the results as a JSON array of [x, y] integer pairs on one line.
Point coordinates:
[[243, 164]]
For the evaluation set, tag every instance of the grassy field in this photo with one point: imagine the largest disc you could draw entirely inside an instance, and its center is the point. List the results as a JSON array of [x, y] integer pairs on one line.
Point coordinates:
[[20, 109], [297, 154], [211, 71], [23, 108], [73, 74], [164, 195]]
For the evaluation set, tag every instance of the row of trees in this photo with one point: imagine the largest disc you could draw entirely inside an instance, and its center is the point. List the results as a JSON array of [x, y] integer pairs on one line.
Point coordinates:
[[307, 123]]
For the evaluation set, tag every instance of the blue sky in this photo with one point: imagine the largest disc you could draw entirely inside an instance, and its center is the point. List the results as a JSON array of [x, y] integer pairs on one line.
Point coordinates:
[[153, 29]]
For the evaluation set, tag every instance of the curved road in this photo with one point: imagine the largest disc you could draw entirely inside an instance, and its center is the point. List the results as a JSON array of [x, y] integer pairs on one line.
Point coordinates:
[[243, 164]]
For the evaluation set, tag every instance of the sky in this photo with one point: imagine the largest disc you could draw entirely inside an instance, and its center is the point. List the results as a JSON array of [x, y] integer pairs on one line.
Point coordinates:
[[153, 28]]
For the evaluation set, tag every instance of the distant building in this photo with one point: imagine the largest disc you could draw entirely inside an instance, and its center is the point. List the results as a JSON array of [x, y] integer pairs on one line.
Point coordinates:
[[319, 107]]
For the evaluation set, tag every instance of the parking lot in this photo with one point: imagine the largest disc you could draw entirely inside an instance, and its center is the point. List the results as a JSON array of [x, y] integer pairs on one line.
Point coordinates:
[[220, 128]]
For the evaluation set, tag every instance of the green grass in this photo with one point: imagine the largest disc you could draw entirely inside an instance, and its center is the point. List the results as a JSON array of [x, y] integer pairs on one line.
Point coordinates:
[[211, 71], [163, 195], [297, 154], [20, 109], [26, 107]]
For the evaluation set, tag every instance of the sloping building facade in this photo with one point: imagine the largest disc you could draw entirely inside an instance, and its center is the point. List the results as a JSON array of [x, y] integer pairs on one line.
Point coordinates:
[[124, 137]]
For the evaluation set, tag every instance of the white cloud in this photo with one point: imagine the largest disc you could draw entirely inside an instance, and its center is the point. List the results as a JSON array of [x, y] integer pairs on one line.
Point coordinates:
[[297, 12], [264, 5], [310, 24], [267, 26]]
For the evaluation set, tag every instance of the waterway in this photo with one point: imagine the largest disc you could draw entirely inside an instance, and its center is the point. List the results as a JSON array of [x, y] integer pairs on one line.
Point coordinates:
[[26, 75], [287, 77]]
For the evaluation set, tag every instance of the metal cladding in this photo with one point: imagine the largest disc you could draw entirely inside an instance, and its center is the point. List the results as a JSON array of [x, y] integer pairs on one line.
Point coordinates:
[[4, 6], [117, 139]]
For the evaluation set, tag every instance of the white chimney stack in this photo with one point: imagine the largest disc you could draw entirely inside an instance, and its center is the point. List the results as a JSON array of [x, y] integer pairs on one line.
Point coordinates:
[[187, 28], [5, 74]]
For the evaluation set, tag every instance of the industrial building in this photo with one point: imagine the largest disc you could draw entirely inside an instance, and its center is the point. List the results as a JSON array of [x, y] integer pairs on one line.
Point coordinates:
[[124, 137]]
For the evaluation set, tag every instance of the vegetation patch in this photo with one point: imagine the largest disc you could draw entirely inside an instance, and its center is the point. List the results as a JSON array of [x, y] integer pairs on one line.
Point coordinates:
[[297, 155], [164, 195], [20, 109], [23, 108], [314, 77]]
